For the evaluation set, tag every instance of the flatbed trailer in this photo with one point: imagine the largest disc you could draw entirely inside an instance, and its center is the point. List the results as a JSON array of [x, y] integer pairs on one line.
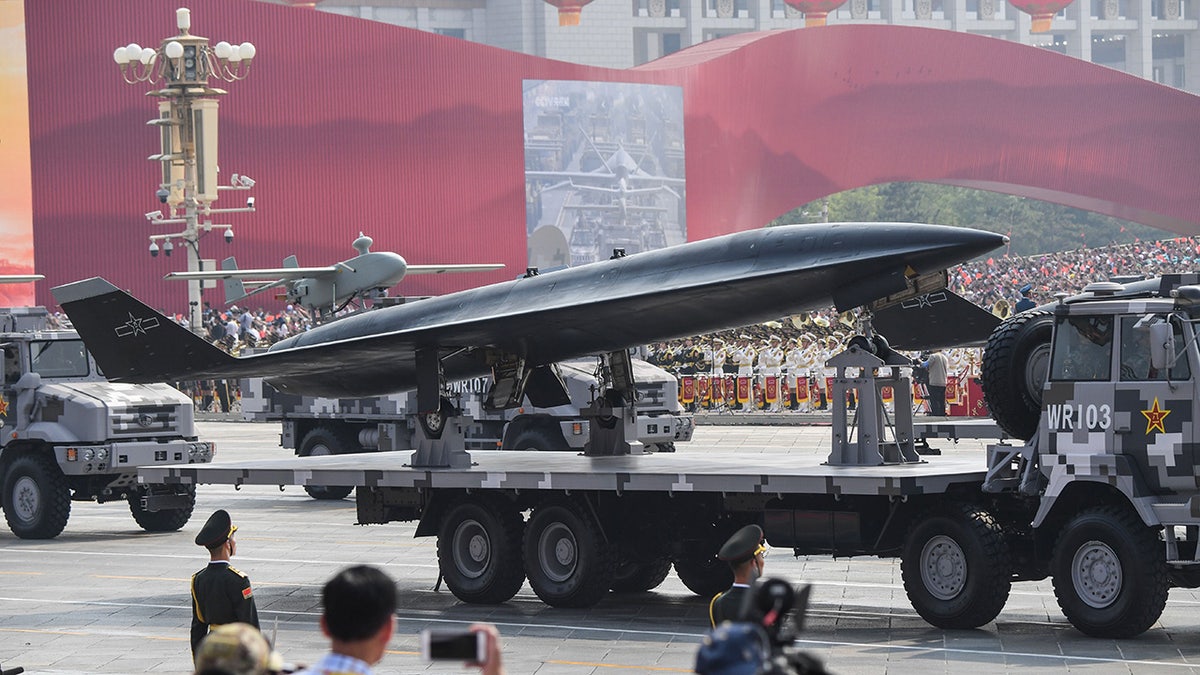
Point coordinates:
[[696, 469], [578, 526]]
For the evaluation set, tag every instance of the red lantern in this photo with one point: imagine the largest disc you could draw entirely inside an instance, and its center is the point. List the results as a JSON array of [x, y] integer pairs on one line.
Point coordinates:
[[568, 11], [815, 11], [1042, 11]]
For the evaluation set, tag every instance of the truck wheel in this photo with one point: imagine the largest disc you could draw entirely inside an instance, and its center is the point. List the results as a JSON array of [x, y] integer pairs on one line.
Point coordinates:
[[705, 577], [567, 560], [479, 551], [956, 567], [37, 501], [1110, 573], [1015, 364], [539, 438], [638, 577], [325, 441], [162, 520]]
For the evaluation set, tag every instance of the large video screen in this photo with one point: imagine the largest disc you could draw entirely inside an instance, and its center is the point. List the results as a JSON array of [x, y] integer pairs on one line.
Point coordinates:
[[604, 170]]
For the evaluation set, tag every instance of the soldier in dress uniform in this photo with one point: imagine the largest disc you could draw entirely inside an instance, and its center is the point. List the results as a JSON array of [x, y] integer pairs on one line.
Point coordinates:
[[745, 552], [770, 362], [718, 356], [220, 593]]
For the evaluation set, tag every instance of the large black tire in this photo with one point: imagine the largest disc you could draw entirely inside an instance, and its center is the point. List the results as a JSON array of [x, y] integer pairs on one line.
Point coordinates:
[[162, 520], [479, 551], [956, 567], [567, 560], [640, 576], [539, 438], [1110, 573], [1015, 364], [705, 577], [328, 441], [37, 501]]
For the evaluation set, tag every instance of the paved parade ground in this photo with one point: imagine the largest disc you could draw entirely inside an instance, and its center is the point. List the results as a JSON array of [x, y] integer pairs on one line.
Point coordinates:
[[105, 597]]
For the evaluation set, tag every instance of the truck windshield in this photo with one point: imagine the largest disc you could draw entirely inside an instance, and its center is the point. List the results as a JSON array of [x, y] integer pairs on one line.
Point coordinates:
[[1082, 349], [59, 358]]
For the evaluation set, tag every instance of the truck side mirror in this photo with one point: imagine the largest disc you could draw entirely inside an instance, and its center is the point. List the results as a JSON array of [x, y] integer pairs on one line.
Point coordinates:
[[1162, 346]]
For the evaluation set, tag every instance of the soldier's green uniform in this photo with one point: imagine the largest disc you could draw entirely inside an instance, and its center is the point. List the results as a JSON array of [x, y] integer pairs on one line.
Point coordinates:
[[745, 544], [220, 593]]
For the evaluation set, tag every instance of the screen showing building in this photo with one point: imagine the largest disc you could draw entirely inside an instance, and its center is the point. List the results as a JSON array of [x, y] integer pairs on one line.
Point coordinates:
[[604, 170]]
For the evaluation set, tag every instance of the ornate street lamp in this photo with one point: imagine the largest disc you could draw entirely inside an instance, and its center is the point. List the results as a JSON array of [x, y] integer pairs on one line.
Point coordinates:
[[187, 120]]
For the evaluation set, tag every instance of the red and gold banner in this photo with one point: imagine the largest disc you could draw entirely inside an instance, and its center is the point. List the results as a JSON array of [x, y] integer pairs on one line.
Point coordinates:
[[743, 390], [688, 385], [771, 393], [702, 388], [953, 391], [887, 394], [802, 389], [718, 388]]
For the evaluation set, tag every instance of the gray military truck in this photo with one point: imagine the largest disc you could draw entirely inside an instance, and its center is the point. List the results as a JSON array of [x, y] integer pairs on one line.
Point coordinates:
[[68, 434], [1104, 497], [323, 426], [1100, 493]]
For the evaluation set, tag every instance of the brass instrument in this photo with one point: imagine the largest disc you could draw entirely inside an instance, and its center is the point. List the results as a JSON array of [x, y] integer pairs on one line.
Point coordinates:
[[801, 320], [1002, 309]]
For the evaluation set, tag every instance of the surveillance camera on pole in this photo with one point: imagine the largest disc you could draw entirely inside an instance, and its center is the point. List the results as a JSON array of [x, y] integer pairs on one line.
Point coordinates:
[[187, 124]]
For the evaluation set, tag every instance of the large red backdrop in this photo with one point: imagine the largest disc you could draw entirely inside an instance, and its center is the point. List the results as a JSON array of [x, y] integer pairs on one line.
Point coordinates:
[[416, 139]]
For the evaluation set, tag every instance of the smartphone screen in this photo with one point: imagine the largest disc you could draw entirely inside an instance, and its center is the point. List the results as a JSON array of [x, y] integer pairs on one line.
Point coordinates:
[[437, 645]]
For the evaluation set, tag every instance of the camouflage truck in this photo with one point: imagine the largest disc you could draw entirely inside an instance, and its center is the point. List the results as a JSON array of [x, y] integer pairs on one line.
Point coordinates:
[[68, 434], [1104, 497], [1100, 492], [321, 426]]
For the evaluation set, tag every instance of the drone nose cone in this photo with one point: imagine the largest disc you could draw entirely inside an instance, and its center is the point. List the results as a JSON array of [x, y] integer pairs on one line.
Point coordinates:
[[942, 246]]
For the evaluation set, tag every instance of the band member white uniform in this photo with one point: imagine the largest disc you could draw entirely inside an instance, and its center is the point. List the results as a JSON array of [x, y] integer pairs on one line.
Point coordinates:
[[796, 366], [770, 362], [718, 356]]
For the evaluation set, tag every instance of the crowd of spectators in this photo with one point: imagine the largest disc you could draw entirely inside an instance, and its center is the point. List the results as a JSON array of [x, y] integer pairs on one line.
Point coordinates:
[[239, 328]]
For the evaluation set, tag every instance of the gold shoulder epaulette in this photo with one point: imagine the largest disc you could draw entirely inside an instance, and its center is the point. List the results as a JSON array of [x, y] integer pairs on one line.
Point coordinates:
[[237, 571]]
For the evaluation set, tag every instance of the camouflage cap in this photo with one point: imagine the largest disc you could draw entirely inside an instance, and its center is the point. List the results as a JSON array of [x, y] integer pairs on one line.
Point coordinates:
[[237, 648]]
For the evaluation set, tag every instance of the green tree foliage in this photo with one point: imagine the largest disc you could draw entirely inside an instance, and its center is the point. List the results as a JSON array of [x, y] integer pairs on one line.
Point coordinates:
[[1033, 226]]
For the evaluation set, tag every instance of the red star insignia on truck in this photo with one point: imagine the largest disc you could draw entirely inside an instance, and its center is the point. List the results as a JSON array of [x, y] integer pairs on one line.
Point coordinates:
[[1155, 417], [3, 407]]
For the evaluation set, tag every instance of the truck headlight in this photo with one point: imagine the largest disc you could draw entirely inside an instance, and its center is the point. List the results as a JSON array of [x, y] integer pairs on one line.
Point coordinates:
[[101, 454], [88, 454]]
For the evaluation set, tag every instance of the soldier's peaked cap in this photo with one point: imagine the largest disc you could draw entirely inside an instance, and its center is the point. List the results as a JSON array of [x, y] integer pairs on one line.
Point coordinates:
[[217, 530], [743, 545]]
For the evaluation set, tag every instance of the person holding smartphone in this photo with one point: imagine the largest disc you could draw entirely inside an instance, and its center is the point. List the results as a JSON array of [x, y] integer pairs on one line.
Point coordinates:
[[478, 646]]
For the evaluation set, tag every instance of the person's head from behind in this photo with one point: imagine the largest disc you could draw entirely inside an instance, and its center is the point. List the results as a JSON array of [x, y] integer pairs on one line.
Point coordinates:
[[359, 606]]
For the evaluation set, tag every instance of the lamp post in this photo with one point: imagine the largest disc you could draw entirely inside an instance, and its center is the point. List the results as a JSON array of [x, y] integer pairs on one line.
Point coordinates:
[[187, 122]]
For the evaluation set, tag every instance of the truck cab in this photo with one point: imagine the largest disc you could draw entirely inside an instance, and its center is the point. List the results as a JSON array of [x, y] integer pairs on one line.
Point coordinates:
[[67, 434], [1102, 385]]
